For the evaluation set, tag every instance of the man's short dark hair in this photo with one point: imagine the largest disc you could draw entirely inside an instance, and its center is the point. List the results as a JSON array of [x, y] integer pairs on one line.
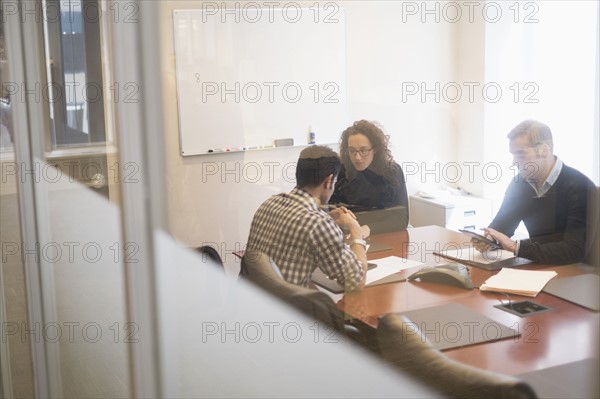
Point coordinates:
[[315, 164]]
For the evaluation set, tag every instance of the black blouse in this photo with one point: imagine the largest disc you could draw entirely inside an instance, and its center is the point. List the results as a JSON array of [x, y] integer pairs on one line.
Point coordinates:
[[370, 189]]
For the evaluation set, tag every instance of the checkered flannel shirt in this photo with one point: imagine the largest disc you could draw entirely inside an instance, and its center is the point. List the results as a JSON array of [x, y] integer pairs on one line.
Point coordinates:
[[299, 237]]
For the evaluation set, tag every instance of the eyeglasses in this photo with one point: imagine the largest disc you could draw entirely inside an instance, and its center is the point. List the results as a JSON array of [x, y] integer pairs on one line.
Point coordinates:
[[363, 151]]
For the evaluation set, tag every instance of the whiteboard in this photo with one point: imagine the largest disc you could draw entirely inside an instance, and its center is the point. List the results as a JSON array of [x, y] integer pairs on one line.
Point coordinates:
[[249, 76]]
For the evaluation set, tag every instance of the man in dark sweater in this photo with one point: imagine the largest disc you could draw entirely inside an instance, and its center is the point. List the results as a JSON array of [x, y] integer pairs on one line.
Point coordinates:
[[552, 199]]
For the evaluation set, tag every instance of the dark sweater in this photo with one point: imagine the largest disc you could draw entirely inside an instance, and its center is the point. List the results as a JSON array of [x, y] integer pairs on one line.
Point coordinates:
[[556, 222], [370, 189]]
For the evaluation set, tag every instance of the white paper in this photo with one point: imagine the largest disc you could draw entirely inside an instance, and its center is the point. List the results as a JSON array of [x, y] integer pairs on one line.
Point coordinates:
[[389, 265]]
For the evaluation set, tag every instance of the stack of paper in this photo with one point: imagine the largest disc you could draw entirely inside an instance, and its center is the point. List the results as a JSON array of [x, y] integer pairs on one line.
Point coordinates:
[[520, 282]]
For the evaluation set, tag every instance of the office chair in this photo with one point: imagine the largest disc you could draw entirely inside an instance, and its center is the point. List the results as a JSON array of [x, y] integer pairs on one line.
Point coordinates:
[[409, 351], [264, 273], [384, 220], [209, 252], [592, 256]]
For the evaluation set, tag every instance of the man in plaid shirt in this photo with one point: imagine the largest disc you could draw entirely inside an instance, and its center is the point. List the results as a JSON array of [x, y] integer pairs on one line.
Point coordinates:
[[299, 236]]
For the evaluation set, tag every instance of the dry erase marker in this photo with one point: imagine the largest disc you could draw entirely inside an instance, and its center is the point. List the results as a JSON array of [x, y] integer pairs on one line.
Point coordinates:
[[311, 136]]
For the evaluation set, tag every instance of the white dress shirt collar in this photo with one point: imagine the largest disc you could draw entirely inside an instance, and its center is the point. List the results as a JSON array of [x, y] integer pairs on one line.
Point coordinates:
[[552, 177]]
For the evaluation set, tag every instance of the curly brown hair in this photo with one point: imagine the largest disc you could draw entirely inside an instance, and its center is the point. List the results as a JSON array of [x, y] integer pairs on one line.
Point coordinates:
[[382, 156]]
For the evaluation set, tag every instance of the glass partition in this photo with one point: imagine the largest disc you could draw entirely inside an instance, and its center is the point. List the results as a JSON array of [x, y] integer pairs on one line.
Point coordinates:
[[16, 373], [64, 321]]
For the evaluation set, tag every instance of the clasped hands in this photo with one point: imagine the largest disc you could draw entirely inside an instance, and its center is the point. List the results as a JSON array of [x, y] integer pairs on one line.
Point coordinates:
[[346, 219]]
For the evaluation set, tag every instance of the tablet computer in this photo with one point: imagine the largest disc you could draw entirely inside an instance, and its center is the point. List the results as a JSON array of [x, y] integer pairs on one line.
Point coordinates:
[[479, 237]]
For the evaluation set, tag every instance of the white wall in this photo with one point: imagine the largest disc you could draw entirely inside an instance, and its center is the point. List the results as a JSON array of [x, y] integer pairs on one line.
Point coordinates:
[[209, 204], [470, 59], [390, 51]]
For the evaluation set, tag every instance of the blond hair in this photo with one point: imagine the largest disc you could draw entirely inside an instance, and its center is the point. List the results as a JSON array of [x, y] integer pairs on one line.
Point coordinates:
[[536, 133]]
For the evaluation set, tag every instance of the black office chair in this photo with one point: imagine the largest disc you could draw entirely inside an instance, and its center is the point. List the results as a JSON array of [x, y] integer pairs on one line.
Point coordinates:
[[592, 256], [211, 253], [264, 273], [409, 351]]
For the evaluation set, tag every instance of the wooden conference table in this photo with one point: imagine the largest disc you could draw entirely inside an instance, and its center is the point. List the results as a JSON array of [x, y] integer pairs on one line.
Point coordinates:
[[564, 334]]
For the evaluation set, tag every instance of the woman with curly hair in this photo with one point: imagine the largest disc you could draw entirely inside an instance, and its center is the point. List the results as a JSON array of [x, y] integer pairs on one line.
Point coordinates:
[[368, 176]]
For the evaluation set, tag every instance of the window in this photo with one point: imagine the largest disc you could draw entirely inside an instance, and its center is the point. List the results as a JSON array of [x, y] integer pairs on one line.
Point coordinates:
[[6, 129], [72, 34], [549, 74]]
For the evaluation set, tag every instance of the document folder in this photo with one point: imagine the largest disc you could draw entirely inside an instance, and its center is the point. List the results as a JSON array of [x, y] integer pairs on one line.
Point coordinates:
[[454, 325]]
